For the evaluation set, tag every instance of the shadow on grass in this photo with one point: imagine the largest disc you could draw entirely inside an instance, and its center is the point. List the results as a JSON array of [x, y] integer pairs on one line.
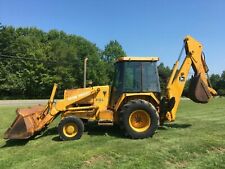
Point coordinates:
[[174, 125], [95, 130], [47, 132], [56, 138], [91, 129], [12, 143]]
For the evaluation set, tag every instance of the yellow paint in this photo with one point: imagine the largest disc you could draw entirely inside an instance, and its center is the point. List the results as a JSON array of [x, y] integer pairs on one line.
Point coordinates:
[[97, 97], [70, 130], [178, 77], [106, 115], [61, 105], [137, 95], [139, 120], [102, 98]]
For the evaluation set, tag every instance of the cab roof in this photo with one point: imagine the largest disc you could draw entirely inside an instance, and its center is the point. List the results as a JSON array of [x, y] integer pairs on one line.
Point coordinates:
[[130, 58]]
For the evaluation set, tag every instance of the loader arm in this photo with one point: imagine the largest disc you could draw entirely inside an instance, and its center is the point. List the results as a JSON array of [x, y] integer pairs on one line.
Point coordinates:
[[61, 105], [30, 121], [200, 90]]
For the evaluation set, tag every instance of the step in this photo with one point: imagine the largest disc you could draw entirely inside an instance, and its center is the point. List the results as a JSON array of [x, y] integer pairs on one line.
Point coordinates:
[[105, 123]]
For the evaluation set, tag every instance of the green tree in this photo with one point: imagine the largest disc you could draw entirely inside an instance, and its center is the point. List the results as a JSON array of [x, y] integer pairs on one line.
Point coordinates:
[[164, 73], [47, 58], [221, 85], [112, 51], [218, 83], [223, 75], [214, 79]]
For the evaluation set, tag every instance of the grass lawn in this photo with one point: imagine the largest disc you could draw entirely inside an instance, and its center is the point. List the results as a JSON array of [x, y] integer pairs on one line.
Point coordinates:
[[195, 140]]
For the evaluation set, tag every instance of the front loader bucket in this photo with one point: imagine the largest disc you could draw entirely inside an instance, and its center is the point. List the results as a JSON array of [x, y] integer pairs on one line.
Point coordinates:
[[198, 90], [26, 123]]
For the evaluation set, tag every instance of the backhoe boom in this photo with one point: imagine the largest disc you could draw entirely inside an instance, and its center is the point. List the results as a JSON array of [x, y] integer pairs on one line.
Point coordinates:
[[200, 89]]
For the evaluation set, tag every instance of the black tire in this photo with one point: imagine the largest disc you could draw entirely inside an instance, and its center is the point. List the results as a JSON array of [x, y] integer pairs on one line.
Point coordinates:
[[139, 106], [77, 128]]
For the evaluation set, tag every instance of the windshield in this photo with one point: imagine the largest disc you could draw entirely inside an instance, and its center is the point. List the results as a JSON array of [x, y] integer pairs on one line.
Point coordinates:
[[133, 77]]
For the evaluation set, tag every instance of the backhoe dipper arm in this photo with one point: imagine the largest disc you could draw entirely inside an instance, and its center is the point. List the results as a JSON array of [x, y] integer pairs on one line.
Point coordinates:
[[200, 89]]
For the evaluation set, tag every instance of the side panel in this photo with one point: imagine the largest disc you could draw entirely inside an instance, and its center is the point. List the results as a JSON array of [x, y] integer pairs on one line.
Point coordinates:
[[102, 98], [89, 107], [74, 92]]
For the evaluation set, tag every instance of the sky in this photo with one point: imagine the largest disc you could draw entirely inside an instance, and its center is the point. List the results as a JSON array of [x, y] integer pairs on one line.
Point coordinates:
[[142, 27]]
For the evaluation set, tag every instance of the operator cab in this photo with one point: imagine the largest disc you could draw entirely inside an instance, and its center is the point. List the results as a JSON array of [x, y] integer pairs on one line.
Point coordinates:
[[135, 75]]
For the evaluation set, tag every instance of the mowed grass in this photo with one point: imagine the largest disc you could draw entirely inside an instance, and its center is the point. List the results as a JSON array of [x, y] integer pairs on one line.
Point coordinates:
[[195, 140]]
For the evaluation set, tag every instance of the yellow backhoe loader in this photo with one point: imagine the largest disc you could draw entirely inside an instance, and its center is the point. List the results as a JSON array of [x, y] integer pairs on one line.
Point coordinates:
[[133, 101]]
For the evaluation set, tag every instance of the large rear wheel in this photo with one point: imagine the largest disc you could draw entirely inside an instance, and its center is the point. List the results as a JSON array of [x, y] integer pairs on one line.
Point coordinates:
[[138, 119], [70, 128]]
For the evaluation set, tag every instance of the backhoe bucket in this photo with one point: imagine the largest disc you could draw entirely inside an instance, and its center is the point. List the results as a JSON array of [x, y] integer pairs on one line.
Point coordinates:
[[26, 123], [198, 90]]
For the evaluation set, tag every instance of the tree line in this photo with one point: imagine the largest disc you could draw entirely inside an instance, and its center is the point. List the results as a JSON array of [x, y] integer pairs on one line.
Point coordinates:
[[218, 83], [31, 60]]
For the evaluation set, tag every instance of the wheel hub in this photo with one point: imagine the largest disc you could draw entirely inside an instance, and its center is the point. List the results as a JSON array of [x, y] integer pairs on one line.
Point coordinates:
[[70, 130], [139, 120]]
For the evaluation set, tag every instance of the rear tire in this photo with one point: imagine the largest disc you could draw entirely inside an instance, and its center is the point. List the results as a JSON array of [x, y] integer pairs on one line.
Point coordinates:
[[138, 119], [70, 128]]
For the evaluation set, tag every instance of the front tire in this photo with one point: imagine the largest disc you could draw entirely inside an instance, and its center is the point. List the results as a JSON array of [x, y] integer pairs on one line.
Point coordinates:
[[70, 128], [138, 119]]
